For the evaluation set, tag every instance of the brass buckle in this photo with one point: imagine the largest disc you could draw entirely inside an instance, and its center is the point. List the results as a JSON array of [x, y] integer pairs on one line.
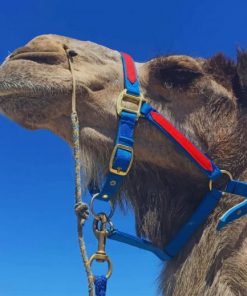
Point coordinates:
[[119, 171], [136, 100]]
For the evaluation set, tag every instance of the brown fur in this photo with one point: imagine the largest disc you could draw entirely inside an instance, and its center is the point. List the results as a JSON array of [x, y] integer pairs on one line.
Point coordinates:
[[205, 99]]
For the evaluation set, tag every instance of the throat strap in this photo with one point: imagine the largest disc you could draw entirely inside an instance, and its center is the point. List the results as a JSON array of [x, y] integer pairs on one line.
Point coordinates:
[[199, 217]]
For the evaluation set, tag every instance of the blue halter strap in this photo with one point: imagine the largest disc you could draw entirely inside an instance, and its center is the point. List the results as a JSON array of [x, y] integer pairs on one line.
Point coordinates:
[[122, 158]]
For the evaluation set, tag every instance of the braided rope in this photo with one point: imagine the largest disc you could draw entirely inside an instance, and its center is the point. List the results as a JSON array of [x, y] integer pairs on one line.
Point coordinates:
[[81, 208]]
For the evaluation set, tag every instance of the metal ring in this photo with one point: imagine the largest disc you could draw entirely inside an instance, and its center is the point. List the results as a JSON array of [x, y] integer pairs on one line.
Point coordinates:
[[224, 172], [107, 259], [110, 225], [93, 212]]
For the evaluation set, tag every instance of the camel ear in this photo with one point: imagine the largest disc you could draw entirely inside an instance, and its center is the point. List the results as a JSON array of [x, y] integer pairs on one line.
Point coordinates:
[[242, 74]]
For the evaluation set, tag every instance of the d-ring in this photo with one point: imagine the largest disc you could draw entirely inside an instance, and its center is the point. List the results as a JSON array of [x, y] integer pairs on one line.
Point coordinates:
[[224, 172], [93, 212], [106, 258]]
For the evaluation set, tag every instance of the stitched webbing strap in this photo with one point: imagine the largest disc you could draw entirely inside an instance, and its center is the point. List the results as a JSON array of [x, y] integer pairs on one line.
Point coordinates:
[[182, 237], [194, 154], [137, 242], [200, 215], [122, 155]]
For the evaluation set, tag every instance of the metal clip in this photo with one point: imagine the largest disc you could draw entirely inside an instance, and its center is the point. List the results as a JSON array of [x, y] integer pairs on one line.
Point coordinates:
[[101, 232]]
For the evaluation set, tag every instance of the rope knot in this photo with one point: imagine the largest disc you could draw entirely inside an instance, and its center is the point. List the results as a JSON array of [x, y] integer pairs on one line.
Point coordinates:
[[81, 210]]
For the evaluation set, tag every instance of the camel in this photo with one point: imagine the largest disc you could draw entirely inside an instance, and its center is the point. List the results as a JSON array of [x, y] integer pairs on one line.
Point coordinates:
[[206, 99]]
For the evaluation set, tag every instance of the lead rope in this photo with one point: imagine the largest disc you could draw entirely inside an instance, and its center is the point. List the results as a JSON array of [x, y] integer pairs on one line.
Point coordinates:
[[81, 209]]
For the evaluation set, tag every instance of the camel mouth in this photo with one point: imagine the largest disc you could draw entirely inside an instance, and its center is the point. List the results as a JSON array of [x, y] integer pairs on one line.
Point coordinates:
[[33, 74], [42, 57]]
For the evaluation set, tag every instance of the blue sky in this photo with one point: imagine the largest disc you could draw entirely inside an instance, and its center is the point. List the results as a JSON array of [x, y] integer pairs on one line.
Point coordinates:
[[39, 254]]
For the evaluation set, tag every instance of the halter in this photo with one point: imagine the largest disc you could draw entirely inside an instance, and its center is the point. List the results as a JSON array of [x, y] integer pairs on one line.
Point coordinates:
[[119, 166], [122, 159]]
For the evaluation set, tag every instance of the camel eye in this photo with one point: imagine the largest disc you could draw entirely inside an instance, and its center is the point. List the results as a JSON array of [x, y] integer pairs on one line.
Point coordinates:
[[178, 76]]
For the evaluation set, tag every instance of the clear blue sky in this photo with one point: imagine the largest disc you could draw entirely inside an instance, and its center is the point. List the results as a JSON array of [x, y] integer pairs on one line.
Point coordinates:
[[39, 254]]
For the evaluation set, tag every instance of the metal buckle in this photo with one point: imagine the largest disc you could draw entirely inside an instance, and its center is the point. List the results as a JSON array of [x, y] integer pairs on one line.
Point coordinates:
[[136, 100], [224, 172], [119, 171]]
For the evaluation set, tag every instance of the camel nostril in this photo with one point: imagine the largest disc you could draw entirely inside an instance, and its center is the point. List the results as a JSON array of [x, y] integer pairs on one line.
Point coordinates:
[[72, 53]]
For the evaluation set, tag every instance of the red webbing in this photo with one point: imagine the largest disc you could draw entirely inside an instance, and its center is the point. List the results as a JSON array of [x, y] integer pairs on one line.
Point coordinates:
[[130, 68], [199, 157]]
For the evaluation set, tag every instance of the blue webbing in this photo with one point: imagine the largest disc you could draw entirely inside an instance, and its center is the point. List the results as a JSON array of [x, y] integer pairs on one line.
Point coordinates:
[[122, 160], [100, 283]]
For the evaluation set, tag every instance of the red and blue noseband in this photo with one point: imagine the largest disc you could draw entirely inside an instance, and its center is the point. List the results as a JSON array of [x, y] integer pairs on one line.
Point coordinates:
[[122, 159]]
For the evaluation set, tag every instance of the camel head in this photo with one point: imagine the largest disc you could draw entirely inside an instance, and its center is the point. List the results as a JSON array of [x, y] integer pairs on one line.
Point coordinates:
[[204, 98]]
